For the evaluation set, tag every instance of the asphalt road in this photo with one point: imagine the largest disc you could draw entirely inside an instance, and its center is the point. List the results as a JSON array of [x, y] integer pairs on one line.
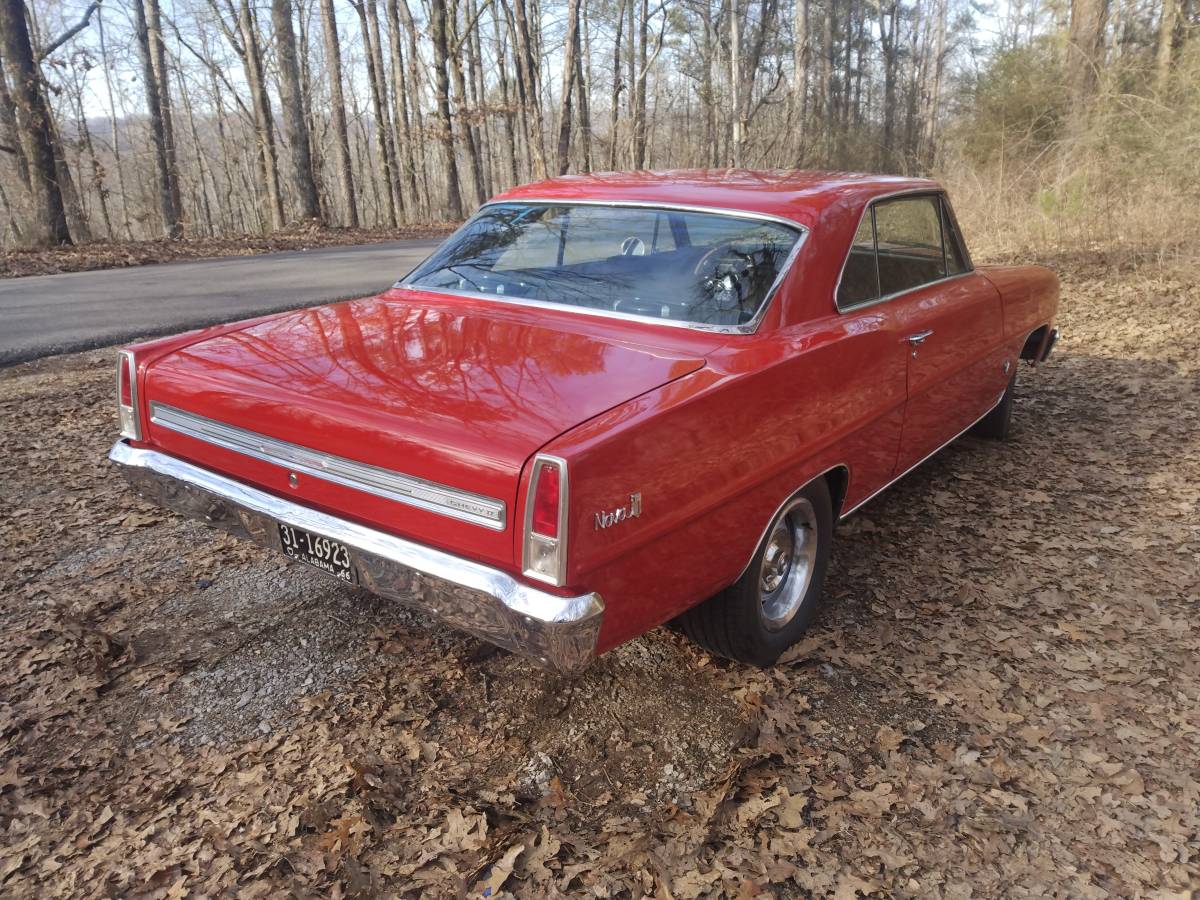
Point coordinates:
[[42, 315]]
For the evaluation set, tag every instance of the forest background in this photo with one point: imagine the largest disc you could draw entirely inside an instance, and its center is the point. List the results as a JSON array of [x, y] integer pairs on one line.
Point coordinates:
[[1059, 127]]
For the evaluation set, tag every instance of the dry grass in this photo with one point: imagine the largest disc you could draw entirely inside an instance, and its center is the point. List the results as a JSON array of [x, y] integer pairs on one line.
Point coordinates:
[[1119, 185]]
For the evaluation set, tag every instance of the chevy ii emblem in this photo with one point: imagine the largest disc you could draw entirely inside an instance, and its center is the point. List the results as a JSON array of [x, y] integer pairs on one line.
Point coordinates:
[[631, 510]]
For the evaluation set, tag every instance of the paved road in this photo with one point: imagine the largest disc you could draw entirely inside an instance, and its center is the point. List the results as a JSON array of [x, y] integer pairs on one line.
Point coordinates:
[[45, 314]]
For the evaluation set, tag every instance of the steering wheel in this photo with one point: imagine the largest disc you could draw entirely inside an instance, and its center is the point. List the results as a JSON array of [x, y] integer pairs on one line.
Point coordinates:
[[726, 274], [633, 246]]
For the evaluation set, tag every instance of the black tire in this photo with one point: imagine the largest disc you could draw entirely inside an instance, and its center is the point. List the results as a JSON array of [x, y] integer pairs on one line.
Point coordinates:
[[736, 623], [997, 424]]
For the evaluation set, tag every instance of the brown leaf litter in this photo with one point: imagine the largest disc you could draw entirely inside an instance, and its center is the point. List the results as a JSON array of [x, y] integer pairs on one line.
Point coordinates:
[[1001, 696]]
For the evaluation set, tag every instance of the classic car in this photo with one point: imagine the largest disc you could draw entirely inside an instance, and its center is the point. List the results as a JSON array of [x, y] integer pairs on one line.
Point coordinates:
[[603, 404]]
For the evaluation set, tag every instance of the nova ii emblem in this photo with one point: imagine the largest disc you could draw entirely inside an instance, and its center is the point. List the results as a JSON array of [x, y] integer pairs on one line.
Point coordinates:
[[631, 510]]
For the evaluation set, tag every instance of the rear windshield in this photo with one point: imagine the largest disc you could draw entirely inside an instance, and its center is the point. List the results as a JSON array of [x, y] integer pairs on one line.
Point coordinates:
[[702, 268]]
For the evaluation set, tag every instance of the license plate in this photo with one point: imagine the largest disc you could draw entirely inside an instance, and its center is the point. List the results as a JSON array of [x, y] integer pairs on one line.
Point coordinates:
[[316, 550]]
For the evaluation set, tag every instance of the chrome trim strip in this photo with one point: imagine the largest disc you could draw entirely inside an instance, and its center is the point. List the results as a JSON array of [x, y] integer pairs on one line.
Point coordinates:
[[560, 632], [923, 459], [651, 204], [745, 328], [427, 495], [910, 192]]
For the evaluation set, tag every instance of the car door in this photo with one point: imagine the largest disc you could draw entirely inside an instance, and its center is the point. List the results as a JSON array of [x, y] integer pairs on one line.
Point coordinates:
[[950, 318]]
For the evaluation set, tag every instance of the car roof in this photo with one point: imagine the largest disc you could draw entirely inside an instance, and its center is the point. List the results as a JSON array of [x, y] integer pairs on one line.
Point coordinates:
[[799, 196]]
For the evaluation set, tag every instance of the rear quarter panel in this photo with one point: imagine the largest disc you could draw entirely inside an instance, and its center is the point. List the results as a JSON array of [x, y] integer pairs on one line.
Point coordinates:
[[716, 453], [1029, 295]]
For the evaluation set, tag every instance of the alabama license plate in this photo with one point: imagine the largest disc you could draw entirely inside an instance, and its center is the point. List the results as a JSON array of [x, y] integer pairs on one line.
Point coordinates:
[[316, 550]]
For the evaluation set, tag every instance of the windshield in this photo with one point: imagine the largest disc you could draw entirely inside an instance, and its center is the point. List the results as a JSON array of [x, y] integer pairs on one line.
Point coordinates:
[[703, 268]]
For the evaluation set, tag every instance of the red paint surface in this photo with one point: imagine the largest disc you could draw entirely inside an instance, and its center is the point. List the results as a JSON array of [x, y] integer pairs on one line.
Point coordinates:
[[715, 431]]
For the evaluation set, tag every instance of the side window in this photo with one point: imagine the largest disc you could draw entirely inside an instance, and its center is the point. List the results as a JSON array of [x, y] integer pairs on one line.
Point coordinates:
[[956, 257], [909, 241], [860, 276]]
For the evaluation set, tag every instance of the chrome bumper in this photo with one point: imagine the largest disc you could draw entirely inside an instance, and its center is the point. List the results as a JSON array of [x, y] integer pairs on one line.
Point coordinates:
[[559, 632]]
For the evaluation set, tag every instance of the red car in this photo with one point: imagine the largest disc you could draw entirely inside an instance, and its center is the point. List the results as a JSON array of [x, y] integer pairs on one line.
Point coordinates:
[[604, 403]]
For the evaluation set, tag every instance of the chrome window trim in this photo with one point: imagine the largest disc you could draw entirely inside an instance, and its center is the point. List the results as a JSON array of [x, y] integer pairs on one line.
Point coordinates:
[[870, 208], [428, 495], [749, 327], [560, 574]]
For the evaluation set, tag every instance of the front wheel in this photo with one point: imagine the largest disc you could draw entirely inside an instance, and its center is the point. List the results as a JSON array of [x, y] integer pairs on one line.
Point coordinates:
[[998, 423], [769, 607]]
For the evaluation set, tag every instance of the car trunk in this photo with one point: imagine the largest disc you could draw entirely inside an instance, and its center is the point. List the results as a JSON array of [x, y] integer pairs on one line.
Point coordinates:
[[459, 396]]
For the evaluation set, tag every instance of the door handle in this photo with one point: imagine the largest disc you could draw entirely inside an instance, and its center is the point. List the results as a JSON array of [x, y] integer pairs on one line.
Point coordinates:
[[919, 337]]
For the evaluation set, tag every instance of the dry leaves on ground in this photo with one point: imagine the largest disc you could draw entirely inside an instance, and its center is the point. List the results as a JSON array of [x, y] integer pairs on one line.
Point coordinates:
[[1000, 697]]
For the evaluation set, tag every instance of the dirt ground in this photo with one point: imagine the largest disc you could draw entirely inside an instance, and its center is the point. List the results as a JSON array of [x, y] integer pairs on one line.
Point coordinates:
[[1001, 696], [15, 262]]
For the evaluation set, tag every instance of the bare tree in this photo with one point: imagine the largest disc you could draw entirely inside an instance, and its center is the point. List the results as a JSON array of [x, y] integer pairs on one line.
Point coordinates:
[[294, 120], [532, 97], [337, 109], [1085, 46], [34, 127], [441, 78], [570, 76], [169, 213]]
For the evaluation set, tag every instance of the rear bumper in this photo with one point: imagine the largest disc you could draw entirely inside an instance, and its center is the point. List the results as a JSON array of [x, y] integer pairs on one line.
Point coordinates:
[[559, 632]]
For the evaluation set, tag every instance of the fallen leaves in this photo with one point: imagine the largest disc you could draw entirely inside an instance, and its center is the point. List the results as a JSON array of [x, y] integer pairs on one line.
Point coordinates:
[[1000, 697]]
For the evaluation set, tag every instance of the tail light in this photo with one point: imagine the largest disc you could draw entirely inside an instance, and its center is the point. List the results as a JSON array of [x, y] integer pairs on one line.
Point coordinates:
[[544, 554], [127, 408]]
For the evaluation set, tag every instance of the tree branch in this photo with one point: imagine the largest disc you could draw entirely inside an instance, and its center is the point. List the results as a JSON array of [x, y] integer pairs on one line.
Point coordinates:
[[71, 32]]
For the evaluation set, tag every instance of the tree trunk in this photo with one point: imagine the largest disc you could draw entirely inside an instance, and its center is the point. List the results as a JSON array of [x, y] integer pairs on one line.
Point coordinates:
[[888, 18], [570, 67], [437, 27], [10, 132], [533, 94], [295, 124], [639, 90], [1166, 43], [264, 119], [383, 144], [510, 128], [481, 125], [33, 115], [337, 102], [112, 124], [1085, 47], [413, 88], [737, 138], [826, 91], [403, 130], [583, 78], [166, 206], [455, 45], [158, 58], [615, 99], [800, 62]]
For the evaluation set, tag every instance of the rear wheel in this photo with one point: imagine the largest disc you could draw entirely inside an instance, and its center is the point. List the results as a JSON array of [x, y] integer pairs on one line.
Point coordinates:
[[767, 610], [997, 424]]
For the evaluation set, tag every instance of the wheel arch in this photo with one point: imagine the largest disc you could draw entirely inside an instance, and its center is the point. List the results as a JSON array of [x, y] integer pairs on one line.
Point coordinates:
[[837, 480], [1032, 347]]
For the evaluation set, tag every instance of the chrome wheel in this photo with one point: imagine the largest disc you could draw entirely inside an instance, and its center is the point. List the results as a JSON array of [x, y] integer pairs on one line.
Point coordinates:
[[787, 563]]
